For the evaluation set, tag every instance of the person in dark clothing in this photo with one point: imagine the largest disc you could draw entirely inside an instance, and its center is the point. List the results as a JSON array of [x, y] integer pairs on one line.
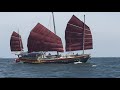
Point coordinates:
[[49, 54]]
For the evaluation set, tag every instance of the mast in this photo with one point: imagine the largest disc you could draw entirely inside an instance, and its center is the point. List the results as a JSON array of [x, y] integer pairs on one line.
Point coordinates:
[[19, 41], [54, 27], [19, 37], [54, 23], [83, 34]]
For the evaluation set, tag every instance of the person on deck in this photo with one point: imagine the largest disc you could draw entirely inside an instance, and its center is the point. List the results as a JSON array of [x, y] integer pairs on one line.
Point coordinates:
[[49, 54]]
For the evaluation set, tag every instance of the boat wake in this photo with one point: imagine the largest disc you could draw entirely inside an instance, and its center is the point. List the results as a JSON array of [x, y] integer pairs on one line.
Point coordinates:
[[94, 65], [77, 62]]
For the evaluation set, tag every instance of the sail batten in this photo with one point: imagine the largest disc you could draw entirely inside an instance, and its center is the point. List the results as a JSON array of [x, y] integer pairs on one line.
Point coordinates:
[[42, 39], [74, 38], [16, 42], [78, 26]]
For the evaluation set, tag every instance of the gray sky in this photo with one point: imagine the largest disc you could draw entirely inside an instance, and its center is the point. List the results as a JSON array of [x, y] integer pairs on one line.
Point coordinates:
[[105, 28]]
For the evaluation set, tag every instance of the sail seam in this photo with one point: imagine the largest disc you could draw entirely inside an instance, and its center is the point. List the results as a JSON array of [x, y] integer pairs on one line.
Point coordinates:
[[74, 32], [88, 38], [87, 34], [78, 26], [15, 37]]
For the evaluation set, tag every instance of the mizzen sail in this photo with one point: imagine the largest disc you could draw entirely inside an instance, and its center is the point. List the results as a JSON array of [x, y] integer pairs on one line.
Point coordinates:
[[76, 37], [16, 42], [42, 39]]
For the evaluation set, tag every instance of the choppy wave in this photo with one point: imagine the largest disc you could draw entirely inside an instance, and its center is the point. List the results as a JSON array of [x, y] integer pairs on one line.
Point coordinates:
[[94, 68]]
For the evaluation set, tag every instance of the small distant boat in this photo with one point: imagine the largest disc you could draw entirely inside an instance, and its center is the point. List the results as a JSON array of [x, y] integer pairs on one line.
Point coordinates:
[[41, 40]]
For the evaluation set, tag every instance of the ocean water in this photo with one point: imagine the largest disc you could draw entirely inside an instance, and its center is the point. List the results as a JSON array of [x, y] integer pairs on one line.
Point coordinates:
[[94, 68]]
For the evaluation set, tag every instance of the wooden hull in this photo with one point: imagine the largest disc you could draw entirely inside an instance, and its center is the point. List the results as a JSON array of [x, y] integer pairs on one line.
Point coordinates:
[[82, 59]]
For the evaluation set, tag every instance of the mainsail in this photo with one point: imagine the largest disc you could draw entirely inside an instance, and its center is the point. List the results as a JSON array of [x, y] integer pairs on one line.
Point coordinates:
[[77, 35], [16, 42], [42, 39]]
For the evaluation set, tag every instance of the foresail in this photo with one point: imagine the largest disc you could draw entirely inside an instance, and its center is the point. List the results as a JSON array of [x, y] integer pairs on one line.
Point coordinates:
[[42, 39], [16, 42], [74, 35]]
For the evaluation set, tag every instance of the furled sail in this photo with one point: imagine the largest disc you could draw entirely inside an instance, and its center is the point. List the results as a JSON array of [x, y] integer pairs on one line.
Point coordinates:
[[76, 37], [42, 39], [16, 42]]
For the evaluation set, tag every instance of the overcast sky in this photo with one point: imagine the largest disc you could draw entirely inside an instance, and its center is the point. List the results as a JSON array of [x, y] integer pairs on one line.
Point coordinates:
[[105, 28]]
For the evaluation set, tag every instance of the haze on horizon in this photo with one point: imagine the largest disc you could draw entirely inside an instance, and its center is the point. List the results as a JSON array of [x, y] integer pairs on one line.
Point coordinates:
[[105, 28]]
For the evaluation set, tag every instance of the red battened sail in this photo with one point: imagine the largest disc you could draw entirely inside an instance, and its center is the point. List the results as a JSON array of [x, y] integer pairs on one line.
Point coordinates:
[[74, 35], [16, 42], [42, 39]]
